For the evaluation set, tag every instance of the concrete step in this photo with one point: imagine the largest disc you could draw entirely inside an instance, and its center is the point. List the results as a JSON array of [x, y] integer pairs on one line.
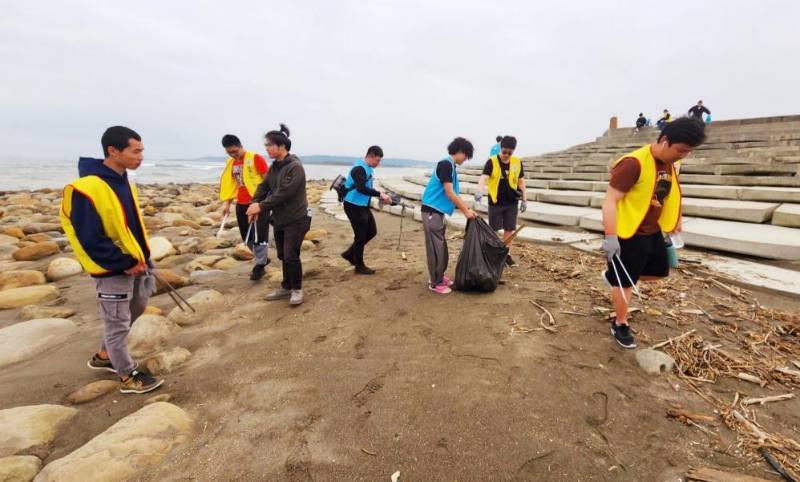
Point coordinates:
[[787, 181], [787, 215], [743, 211], [740, 169]]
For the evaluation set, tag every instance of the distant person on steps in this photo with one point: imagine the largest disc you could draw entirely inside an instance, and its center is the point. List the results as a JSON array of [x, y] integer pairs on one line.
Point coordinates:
[[641, 122], [697, 111], [667, 117]]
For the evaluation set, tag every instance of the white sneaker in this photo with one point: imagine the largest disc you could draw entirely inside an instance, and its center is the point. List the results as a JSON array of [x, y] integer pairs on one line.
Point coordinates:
[[296, 297]]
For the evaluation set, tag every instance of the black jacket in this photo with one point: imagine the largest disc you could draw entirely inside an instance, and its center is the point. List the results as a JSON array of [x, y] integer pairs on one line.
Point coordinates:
[[283, 192]]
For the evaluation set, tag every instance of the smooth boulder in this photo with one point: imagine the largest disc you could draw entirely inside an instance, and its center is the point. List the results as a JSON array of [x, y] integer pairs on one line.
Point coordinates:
[[27, 339], [24, 427], [654, 362], [172, 278], [61, 268], [20, 279], [91, 391], [134, 443], [167, 361], [34, 312], [149, 333], [160, 247], [36, 251], [18, 297], [202, 301], [19, 468]]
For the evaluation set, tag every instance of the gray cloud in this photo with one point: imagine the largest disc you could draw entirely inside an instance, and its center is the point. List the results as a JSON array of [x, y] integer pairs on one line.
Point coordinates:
[[407, 75]]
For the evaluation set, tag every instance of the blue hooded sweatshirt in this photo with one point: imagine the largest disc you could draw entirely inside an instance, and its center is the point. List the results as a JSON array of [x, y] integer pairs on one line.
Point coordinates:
[[89, 228]]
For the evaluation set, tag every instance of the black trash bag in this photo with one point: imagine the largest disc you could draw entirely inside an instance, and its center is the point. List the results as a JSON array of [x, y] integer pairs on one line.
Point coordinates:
[[482, 258]]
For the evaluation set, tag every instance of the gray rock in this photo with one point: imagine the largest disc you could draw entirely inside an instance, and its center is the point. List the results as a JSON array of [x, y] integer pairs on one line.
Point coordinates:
[[654, 362], [208, 277]]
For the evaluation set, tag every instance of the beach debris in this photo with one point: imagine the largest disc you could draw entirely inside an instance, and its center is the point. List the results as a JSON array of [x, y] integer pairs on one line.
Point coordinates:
[[395, 476]]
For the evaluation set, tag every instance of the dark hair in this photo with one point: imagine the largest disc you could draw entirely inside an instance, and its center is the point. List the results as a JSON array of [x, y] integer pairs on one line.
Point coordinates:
[[230, 140], [498, 138], [684, 130], [508, 142], [640, 114], [375, 151], [280, 137], [460, 144], [118, 137]]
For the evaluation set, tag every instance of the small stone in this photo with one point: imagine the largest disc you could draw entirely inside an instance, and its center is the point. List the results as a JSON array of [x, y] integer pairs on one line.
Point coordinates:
[[36, 251], [34, 228], [38, 238], [24, 427], [226, 263], [91, 391], [6, 239], [19, 468], [654, 362], [307, 246], [35, 312], [164, 397], [171, 277], [14, 231], [20, 279], [160, 247], [208, 277], [18, 297], [316, 235], [186, 223], [61, 268], [167, 361], [242, 253], [153, 310]]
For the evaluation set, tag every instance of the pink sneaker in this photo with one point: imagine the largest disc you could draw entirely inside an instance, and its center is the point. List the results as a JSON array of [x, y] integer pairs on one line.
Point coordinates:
[[447, 281], [441, 288]]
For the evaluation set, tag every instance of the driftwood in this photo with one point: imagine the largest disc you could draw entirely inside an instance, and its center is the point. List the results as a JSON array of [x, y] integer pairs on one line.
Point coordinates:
[[762, 401], [707, 474], [675, 338]]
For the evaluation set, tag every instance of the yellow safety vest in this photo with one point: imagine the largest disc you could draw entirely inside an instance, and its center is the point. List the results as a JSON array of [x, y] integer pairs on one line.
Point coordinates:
[[227, 184], [112, 215], [633, 206], [514, 170]]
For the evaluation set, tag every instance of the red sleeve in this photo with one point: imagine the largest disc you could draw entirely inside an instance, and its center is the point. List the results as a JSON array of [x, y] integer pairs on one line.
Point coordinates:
[[261, 164], [625, 174]]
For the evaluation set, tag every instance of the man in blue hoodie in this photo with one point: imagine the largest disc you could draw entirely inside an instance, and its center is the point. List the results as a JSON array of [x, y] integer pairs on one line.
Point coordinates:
[[101, 218]]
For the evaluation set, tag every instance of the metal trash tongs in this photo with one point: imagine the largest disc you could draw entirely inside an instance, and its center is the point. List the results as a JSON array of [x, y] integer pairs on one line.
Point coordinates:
[[173, 293], [619, 281]]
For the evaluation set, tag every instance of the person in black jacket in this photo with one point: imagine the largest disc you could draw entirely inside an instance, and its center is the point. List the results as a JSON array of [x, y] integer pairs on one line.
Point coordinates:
[[356, 207], [283, 192], [698, 110]]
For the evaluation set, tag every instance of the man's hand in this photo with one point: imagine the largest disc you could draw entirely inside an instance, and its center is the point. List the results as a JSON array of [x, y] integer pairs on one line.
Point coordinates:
[[679, 226], [478, 197], [470, 214], [523, 206], [137, 270], [252, 212], [611, 246], [385, 199], [226, 208]]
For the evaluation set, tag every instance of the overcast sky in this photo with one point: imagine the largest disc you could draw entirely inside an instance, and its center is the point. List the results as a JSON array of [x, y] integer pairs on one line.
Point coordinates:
[[407, 75]]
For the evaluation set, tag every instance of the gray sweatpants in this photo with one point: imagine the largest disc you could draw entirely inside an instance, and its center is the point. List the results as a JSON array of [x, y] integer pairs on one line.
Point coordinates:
[[122, 300], [435, 246]]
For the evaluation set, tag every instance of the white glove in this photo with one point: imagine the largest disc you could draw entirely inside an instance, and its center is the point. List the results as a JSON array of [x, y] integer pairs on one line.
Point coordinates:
[[611, 246]]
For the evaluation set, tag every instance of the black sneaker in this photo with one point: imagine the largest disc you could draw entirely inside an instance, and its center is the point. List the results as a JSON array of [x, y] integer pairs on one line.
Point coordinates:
[[258, 272], [97, 363], [622, 333], [362, 269], [348, 256], [139, 382], [510, 261]]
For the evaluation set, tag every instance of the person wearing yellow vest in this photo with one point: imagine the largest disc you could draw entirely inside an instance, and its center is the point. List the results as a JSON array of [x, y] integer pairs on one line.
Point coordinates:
[[101, 219], [503, 179], [643, 201], [244, 171]]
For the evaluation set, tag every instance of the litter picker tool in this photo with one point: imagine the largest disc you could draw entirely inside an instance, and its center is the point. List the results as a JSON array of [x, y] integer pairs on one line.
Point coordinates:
[[173, 293], [222, 225], [513, 235], [619, 280]]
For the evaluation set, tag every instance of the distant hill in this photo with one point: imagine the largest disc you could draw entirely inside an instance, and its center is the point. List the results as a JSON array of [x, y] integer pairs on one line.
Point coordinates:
[[326, 160]]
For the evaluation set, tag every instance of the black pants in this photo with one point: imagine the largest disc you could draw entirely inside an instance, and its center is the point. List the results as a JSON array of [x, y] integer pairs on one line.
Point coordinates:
[[364, 229], [642, 255], [261, 230], [288, 241]]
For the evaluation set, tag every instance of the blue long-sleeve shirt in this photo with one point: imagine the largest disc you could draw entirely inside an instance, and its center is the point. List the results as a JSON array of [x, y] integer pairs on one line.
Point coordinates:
[[89, 227]]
